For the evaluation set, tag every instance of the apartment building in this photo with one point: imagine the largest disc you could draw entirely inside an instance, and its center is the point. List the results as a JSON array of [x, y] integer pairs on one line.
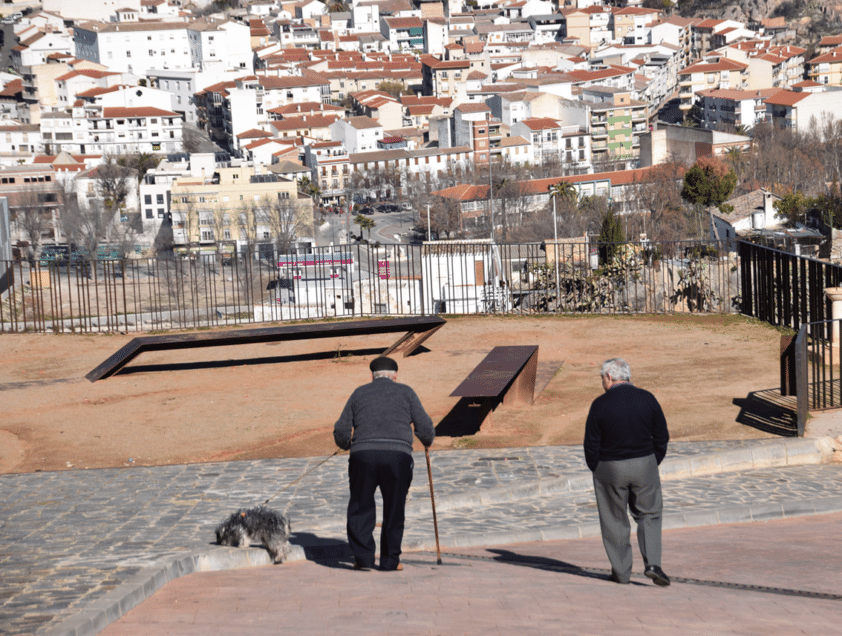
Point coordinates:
[[827, 67], [795, 108], [111, 130], [358, 134], [329, 163], [140, 47], [553, 141], [712, 72], [614, 121], [440, 78], [240, 203], [728, 108]]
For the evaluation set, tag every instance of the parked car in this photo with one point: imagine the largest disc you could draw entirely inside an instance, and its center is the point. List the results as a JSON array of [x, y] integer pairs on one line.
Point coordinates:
[[366, 211], [406, 205]]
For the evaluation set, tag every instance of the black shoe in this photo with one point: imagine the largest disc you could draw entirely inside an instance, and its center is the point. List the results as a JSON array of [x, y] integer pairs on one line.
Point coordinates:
[[361, 567], [657, 575], [616, 579]]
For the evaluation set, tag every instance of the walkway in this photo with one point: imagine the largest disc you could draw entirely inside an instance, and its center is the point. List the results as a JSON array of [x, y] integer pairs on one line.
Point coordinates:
[[81, 548]]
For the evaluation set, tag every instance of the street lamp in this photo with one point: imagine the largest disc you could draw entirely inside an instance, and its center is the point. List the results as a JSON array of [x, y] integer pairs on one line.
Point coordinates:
[[428, 224], [555, 254]]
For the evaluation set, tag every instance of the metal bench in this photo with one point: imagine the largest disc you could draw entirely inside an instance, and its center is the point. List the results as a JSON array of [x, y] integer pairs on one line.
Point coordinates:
[[506, 374], [417, 329]]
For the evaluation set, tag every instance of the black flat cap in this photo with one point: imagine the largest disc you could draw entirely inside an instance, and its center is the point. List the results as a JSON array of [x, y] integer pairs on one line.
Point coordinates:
[[383, 364]]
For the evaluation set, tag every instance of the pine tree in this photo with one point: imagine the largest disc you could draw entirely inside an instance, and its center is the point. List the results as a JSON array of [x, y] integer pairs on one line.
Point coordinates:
[[611, 236]]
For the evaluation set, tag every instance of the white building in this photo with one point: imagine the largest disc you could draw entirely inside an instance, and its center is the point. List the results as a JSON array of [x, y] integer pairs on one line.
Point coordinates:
[[139, 47], [90, 9], [358, 134], [111, 130]]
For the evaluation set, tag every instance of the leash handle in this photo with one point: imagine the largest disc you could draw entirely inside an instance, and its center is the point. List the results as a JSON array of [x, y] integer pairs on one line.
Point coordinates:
[[433, 500]]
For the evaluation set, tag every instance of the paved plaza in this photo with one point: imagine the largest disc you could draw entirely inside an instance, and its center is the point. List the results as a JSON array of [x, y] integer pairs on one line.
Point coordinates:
[[82, 548]]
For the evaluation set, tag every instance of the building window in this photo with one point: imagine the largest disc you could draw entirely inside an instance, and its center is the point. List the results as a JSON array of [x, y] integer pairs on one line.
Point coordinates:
[[148, 213], [147, 199]]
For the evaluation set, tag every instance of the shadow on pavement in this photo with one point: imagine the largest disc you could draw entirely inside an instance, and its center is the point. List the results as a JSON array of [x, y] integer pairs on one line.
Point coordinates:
[[465, 418], [328, 552], [769, 412], [239, 362], [547, 564]]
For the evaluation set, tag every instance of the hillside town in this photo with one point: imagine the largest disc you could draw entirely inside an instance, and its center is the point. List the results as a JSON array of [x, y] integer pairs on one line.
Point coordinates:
[[163, 127]]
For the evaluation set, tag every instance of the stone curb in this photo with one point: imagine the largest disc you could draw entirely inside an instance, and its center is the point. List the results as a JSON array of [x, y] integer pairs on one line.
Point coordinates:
[[790, 452]]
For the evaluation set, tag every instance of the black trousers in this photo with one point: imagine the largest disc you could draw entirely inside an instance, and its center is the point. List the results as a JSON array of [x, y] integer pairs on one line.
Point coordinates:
[[391, 471]]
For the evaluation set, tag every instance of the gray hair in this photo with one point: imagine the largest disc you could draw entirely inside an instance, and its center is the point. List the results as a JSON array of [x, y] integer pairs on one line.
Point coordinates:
[[617, 369], [384, 374]]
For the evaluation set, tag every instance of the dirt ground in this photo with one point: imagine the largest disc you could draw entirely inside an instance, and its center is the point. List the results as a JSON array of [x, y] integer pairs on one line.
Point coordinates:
[[710, 373]]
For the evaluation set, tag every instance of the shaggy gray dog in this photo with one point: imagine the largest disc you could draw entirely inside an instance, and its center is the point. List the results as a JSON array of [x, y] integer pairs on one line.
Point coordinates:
[[260, 524]]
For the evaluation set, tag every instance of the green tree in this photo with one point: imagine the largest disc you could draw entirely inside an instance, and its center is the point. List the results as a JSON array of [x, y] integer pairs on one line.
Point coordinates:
[[793, 206], [611, 236], [365, 223], [708, 184]]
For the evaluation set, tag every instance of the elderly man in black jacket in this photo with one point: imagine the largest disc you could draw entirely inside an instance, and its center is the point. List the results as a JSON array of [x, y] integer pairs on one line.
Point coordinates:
[[625, 440], [377, 425]]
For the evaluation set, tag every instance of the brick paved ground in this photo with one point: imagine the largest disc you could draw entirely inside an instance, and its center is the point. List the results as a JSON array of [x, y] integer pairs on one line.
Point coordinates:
[[531, 597], [82, 547]]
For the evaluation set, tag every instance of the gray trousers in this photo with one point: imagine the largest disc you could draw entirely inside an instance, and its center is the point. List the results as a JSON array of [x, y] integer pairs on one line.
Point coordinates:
[[634, 484]]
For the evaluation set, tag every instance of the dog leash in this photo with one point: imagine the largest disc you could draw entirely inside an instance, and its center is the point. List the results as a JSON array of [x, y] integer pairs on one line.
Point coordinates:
[[299, 478]]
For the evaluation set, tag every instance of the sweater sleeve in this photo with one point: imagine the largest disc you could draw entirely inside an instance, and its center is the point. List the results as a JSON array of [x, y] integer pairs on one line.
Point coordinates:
[[343, 428], [424, 430], [593, 439], [660, 434]]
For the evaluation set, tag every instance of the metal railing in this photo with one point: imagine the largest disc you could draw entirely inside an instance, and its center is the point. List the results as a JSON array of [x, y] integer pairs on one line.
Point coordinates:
[[474, 277], [818, 368], [785, 289]]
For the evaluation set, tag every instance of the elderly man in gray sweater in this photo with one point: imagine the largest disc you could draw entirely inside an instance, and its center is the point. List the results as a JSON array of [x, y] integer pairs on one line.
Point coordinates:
[[377, 426]]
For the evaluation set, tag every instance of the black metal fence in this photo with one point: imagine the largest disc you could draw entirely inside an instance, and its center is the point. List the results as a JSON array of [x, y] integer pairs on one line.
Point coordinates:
[[364, 280], [785, 289], [818, 368]]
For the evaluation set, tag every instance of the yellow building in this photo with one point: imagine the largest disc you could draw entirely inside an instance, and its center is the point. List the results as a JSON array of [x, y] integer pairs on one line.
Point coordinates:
[[241, 205]]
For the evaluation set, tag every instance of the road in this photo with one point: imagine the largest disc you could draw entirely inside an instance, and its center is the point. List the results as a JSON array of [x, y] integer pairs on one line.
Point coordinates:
[[387, 225]]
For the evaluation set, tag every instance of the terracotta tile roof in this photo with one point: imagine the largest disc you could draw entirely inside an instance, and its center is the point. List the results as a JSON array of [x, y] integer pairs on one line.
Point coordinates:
[[831, 57], [541, 123], [723, 64], [404, 23], [305, 122], [786, 98], [253, 133], [473, 108], [142, 111], [362, 122], [84, 73]]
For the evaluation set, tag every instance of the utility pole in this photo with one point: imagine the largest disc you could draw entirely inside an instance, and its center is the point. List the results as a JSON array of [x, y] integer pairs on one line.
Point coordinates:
[[490, 195], [429, 238]]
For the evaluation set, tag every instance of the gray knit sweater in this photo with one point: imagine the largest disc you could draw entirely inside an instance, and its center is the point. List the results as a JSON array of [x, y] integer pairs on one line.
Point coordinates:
[[380, 415]]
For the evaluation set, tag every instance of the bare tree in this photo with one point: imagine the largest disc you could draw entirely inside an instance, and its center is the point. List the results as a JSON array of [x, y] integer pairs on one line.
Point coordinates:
[[185, 214], [30, 213], [658, 197], [286, 222]]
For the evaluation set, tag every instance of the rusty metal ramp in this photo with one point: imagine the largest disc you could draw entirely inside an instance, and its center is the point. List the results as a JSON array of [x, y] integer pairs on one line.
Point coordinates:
[[417, 329]]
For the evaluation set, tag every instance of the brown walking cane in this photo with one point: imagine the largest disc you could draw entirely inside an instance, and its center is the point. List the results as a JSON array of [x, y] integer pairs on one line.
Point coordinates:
[[433, 499]]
